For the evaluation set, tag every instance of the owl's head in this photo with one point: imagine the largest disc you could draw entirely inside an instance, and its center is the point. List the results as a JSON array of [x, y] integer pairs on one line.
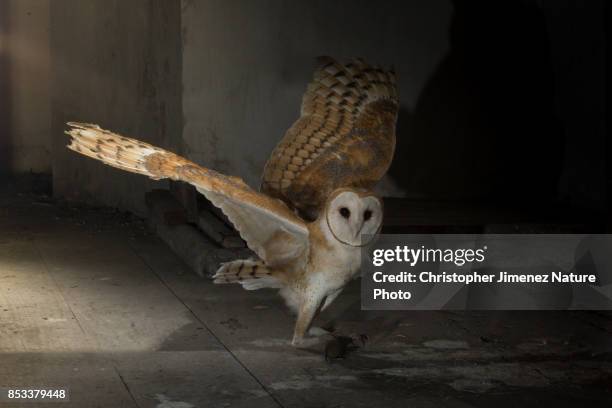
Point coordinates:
[[351, 213]]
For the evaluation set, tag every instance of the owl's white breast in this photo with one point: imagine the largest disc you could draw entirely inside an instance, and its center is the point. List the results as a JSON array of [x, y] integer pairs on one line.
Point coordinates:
[[329, 267], [336, 263]]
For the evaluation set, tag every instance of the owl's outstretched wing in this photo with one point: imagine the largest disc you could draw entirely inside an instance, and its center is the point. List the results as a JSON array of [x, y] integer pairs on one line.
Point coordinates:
[[267, 225], [345, 136]]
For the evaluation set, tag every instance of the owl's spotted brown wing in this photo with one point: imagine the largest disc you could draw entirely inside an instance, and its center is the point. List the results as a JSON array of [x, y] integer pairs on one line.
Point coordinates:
[[345, 136]]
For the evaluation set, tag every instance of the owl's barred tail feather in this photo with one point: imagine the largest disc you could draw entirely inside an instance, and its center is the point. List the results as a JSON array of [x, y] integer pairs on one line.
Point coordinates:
[[251, 274]]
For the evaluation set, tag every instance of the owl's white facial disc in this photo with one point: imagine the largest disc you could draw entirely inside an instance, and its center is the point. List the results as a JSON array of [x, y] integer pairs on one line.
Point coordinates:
[[350, 215]]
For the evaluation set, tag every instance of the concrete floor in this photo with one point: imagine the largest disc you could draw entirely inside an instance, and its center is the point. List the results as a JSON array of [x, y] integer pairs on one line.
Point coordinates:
[[90, 301]]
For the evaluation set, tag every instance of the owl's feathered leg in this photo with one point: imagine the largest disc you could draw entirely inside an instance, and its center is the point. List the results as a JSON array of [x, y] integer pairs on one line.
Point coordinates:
[[307, 312], [328, 300]]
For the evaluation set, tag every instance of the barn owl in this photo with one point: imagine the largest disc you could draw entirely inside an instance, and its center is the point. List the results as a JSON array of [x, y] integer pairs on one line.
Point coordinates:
[[315, 204]]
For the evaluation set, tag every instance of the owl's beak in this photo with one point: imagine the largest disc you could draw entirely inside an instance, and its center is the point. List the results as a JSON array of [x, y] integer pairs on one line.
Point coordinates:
[[359, 231]]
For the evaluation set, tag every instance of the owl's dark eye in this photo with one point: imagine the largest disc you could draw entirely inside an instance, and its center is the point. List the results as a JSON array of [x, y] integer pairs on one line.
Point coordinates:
[[345, 212], [367, 214]]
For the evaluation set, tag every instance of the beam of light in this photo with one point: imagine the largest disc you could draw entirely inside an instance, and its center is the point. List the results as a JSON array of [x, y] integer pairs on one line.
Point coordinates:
[[91, 314]]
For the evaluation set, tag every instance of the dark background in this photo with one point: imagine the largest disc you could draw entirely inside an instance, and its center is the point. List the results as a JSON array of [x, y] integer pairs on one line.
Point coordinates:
[[502, 102]]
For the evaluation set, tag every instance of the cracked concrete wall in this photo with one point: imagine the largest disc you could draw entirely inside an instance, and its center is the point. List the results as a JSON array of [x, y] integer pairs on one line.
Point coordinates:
[[115, 63], [246, 65], [25, 113]]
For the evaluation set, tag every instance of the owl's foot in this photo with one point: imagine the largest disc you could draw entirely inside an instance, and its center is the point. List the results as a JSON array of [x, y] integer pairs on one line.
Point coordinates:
[[297, 340]]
